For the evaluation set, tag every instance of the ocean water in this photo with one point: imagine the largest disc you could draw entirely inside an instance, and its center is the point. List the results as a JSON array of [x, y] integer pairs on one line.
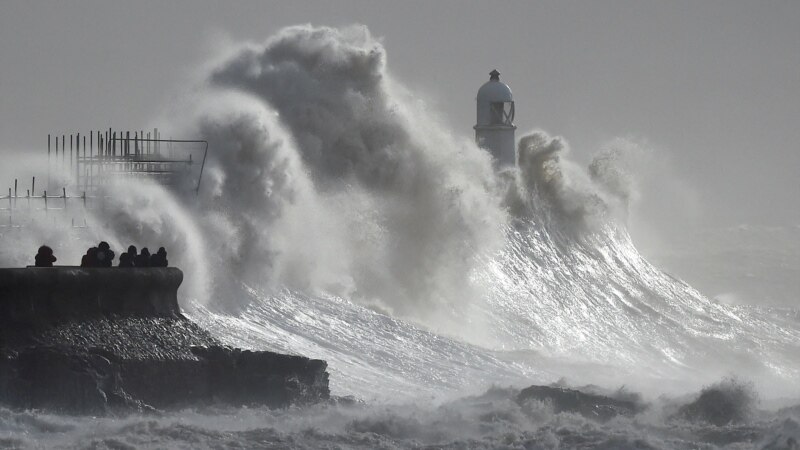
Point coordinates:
[[741, 264], [339, 220], [638, 332]]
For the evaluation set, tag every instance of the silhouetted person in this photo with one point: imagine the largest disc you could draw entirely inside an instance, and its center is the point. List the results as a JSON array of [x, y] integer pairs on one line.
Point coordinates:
[[142, 259], [104, 255], [126, 259], [44, 257], [90, 258], [159, 259]]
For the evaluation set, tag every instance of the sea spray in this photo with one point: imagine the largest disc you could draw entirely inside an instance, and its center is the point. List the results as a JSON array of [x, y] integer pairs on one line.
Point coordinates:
[[347, 188]]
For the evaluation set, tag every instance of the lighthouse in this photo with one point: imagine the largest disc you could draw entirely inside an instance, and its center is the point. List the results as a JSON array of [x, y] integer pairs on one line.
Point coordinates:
[[494, 130]]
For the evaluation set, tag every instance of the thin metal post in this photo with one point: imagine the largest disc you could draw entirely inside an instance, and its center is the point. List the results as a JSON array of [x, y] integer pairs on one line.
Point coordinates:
[[48, 158], [202, 166], [78, 182], [91, 161], [91, 155], [77, 154]]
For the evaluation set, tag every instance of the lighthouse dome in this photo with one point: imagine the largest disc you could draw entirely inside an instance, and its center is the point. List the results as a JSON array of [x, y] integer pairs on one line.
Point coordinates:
[[495, 91], [495, 102]]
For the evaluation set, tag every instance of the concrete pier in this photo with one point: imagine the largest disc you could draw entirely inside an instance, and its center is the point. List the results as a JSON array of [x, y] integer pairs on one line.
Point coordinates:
[[98, 340]]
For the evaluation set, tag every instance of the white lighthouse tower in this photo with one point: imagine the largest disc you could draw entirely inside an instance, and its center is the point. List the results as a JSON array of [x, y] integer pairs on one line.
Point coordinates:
[[494, 130]]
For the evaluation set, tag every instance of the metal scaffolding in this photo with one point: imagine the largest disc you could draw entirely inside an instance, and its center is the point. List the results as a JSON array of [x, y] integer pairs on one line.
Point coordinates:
[[109, 157]]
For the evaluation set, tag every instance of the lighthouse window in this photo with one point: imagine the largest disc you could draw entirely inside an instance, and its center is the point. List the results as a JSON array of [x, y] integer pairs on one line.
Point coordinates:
[[502, 113], [497, 113]]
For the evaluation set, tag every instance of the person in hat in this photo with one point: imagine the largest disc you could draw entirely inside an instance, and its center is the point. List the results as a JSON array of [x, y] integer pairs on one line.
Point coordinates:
[[104, 255], [159, 259], [126, 259], [44, 257]]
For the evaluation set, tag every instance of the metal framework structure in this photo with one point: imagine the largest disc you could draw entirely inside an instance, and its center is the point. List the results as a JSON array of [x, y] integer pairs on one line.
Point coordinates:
[[74, 181]]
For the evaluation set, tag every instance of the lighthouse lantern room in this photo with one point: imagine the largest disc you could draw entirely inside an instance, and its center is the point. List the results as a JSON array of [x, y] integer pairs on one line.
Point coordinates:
[[494, 130]]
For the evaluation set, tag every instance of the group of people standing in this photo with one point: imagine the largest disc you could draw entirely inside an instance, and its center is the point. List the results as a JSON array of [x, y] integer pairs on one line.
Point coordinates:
[[103, 256], [143, 259]]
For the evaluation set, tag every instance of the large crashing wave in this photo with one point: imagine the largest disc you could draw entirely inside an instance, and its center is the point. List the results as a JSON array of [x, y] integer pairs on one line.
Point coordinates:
[[339, 219], [326, 177], [418, 226]]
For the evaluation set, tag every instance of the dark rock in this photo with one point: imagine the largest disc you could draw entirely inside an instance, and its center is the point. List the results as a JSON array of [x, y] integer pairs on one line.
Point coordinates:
[[247, 378], [92, 341], [594, 406], [728, 402]]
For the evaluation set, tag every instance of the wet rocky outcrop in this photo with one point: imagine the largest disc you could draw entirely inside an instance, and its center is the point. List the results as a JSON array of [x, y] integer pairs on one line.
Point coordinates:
[[728, 402], [593, 406], [97, 340]]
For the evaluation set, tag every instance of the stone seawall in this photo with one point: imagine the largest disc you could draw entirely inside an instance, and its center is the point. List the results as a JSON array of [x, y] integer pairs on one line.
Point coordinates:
[[91, 341], [62, 293]]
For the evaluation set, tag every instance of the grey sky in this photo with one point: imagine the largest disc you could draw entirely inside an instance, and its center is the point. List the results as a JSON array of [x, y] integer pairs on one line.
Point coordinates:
[[714, 84]]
